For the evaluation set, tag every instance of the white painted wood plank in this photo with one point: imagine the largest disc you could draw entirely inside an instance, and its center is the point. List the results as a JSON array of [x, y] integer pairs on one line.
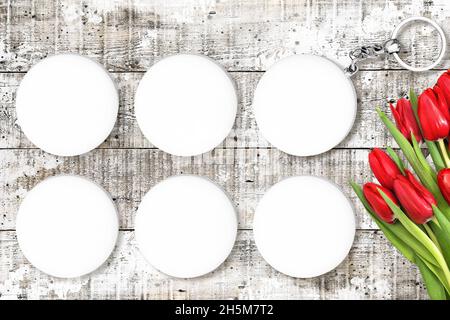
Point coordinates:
[[127, 174], [373, 270], [373, 89], [241, 35]]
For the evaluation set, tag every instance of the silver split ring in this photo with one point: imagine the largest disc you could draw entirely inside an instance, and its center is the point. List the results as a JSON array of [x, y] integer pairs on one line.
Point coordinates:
[[441, 35]]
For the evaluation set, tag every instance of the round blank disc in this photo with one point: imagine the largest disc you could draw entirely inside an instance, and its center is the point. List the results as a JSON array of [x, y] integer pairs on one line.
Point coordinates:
[[305, 105], [186, 226], [186, 104], [67, 104], [67, 226], [304, 226]]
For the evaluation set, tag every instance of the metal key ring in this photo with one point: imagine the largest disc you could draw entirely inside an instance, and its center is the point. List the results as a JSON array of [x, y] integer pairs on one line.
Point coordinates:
[[441, 35]]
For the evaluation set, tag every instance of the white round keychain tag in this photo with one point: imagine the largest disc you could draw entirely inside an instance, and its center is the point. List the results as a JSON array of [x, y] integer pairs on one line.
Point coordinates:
[[67, 226], [67, 104], [293, 111], [300, 234], [305, 105], [186, 226], [186, 104]]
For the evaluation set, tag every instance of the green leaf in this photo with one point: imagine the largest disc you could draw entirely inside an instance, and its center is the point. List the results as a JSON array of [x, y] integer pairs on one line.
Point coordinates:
[[402, 247], [442, 238], [424, 176], [439, 274], [442, 232], [444, 223], [435, 289], [423, 161], [396, 233], [428, 230], [413, 99], [419, 235], [396, 159], [435, 155]]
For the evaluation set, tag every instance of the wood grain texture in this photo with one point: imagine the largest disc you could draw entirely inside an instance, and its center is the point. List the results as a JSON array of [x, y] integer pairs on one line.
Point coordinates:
[[242, 35], [245, 37], [127, 174], [373, 270]]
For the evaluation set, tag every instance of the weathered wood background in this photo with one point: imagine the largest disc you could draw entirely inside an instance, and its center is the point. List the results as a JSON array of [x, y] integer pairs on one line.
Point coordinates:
[[246, 37]]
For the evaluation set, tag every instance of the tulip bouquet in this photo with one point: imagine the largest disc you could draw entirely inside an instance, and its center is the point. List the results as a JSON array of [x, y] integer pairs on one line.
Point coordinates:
[[413, 210]]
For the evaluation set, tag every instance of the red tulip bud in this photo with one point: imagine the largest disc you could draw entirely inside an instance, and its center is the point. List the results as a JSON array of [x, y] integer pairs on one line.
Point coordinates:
[[414, 198], [405, 119], [444, 183], [434, 121], [376, 201], [441, 102], [444, 83], [383, 167]]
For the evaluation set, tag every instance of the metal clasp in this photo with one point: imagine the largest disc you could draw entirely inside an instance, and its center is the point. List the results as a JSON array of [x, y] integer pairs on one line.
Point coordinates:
[[392, 46], [368, 52]]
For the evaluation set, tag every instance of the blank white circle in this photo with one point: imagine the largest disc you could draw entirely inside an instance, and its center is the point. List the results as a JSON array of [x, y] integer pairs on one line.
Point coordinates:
[[186, 226], [305, 105], [304, 226], [186, 104], [67, 104], [67, 226]]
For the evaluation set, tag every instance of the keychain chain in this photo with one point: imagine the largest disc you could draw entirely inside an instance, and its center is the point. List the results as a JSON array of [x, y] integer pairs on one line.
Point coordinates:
[[357, 55], [392, 47]]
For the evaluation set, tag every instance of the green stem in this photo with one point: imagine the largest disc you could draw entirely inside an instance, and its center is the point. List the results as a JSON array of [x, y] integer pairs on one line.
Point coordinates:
[[432, 236], [444, 152], [435, 221]]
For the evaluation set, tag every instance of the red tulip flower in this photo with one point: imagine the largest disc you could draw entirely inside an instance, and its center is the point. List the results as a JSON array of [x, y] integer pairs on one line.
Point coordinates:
[[444, 183], [405, 119], [444, 83], [414, 198], [442, 102], [383, 167], [376, 201], [433, 115]]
